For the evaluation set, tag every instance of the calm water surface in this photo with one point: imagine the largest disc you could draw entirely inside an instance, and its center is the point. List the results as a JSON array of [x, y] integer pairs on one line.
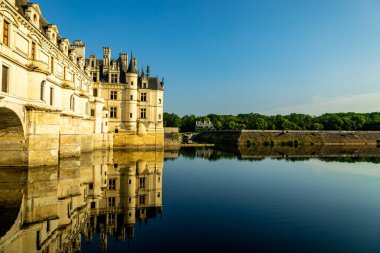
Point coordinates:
[[225, 204]]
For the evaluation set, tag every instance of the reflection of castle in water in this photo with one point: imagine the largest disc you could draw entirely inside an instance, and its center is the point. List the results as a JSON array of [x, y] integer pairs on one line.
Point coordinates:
[[99, 193]]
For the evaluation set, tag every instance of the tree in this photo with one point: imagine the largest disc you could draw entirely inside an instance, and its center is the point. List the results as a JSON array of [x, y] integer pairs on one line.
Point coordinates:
[[172, 120], [188, 123]]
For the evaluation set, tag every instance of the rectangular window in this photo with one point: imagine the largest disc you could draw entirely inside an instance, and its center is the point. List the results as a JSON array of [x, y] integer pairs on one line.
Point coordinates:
[[130, 115], [92, 112], [159, 116], [90, 186], [143, 97], [48, 226], [51, 95], [64, 73], [113, 95], [111, 201], [143, 113], [42, 92], [113, 78], [93, 205], [33, 50], [5, 78], [92, 64], [6, 33], [113, 112], [142, 199], [142, 182], [95, 92], [52, 65], [94, 77], [131, 97], [112, 184]]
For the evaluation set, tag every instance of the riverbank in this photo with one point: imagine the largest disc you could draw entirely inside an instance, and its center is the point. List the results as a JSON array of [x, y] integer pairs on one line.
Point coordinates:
[[289, 138]]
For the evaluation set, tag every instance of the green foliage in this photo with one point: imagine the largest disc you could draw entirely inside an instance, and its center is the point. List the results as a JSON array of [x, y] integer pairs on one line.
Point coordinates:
[[172, 120], [330, 121]]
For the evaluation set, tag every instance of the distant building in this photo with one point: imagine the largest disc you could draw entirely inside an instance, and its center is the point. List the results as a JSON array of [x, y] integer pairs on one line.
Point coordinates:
[[205, 124]]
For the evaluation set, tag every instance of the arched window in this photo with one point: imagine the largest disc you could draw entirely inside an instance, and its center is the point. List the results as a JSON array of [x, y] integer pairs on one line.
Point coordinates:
[[72, 103], [42, 91]]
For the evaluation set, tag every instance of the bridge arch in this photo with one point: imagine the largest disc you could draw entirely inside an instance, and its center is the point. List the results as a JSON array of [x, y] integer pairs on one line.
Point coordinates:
[[12, 120], [13, 144]]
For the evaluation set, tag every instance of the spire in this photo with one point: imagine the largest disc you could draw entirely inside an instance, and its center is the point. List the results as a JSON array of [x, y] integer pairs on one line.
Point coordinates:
[[148, 71], [132, 65], [142, 71]]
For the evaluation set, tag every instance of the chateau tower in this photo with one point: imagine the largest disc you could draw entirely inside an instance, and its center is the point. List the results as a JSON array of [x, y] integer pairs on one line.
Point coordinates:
[[132, 93], [131, 185]]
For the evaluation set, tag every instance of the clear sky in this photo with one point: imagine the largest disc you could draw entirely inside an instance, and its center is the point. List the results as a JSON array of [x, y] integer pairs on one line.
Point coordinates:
[[240, 56]]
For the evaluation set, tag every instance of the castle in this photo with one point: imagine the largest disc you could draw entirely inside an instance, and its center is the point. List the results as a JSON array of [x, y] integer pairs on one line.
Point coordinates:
[[55, 102], [134, 100]]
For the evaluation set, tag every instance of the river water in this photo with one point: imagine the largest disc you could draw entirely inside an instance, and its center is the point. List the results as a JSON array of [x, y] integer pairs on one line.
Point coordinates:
[[192, 201]]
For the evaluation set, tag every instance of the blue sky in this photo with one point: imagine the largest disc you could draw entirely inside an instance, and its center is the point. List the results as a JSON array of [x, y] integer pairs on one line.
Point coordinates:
[[240, 56]]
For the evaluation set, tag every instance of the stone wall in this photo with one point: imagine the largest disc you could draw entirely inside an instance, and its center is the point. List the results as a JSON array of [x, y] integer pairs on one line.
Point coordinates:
[[171, 137], [243, 137], [132, 141]]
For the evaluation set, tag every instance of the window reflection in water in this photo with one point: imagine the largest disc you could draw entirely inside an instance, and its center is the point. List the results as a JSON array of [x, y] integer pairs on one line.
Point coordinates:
[[100, 193]]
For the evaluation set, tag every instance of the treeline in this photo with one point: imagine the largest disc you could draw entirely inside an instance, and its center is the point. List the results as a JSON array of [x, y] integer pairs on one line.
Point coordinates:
[[295, 121]]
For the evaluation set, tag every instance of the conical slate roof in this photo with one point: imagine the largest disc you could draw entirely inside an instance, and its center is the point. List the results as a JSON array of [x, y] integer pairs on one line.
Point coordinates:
[[132, 67]]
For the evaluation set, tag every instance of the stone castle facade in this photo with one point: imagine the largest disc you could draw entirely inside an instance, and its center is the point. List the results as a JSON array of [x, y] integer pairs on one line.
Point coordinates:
[[54, 100], [134, 100]]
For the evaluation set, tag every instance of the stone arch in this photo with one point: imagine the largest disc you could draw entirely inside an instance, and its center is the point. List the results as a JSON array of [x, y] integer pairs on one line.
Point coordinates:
[[11, 120], [10, 16], [13, 147]]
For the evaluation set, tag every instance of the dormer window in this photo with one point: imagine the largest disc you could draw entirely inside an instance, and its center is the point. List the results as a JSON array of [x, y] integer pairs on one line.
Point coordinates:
[[52, 34], [113, 78]]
